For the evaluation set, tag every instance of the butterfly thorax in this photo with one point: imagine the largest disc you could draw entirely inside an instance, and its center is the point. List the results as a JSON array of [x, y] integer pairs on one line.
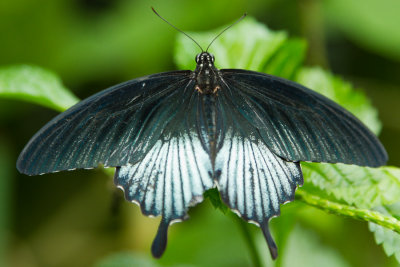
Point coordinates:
[[206, 74]]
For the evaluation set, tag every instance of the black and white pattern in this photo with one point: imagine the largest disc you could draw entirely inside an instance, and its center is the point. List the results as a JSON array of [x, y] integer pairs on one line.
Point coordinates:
[[171, 178]]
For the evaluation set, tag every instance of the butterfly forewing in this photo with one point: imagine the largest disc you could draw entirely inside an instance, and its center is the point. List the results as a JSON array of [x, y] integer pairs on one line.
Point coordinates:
[[299, 124], [114, 127]]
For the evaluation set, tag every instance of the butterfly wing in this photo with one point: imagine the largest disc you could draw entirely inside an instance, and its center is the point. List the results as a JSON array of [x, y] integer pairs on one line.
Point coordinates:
[[175, 172], [252, 180], [114, 127], [299, 124], [149, 129]]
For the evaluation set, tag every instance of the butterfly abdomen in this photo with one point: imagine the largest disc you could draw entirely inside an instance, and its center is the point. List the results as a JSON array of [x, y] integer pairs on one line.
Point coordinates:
[[207, 120], [210, 116]]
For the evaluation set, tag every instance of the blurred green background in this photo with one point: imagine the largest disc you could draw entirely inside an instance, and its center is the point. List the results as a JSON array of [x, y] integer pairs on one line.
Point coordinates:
[[80, 219]]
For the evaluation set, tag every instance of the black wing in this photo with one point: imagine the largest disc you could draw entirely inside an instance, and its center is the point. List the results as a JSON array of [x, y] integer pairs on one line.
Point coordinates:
[[299, 124], [114, 127]]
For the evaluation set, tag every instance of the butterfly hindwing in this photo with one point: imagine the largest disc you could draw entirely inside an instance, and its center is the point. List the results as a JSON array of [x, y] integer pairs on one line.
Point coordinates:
[[176, 171], [299, 124], [252, 180]]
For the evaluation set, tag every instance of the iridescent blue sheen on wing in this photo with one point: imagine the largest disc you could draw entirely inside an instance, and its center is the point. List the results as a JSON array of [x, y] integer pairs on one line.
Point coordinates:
[[114, 127], [299, 124]]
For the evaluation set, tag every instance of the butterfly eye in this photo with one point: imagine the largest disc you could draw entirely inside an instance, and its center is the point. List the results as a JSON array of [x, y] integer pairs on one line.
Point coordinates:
[[212, 58], [197, 59]]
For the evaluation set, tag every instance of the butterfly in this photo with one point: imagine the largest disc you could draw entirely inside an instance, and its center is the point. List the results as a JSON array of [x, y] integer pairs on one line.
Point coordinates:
[[174, 135]]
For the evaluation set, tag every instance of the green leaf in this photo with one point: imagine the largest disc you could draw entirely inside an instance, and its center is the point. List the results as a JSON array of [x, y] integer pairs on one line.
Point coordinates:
[[359, 186], [287, 60], [389, 240], [341, 92], [247, 45], [336, 207], [36, 85], [364, 192], [215, 199]]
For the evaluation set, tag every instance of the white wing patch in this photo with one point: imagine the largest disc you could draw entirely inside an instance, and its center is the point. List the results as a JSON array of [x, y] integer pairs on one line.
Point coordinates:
[[172, 177], [253, 180]]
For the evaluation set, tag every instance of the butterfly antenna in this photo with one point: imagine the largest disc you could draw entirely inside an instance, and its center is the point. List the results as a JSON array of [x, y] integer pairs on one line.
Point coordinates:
[[236, 22], [187, 35]]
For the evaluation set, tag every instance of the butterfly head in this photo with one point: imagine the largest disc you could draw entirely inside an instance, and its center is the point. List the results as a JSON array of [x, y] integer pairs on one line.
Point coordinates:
[[205, 59]]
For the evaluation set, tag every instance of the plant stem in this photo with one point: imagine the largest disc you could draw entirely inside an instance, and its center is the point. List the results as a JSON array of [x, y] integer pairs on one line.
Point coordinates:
[[249, 240], [349, 211]]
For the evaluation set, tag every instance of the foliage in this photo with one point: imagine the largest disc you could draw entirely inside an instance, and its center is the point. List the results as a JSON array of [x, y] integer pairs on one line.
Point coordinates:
[[385, 237], [35, 85], [215, 198]]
